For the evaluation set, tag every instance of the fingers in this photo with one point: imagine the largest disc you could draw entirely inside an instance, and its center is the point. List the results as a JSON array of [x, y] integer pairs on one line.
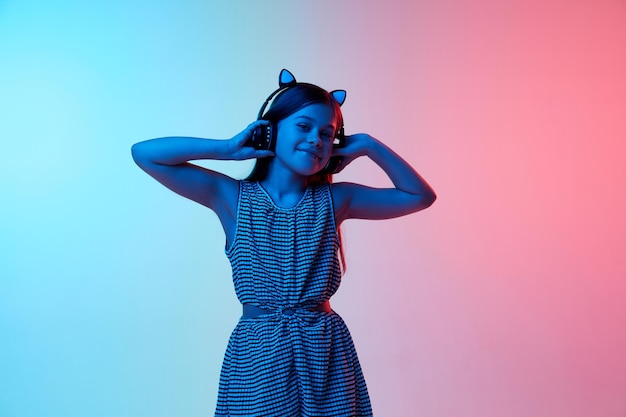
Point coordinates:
[[338, 152], [256, 124], [252, 126], [241, 138], [246, 152], [263, 154], [346, 153]]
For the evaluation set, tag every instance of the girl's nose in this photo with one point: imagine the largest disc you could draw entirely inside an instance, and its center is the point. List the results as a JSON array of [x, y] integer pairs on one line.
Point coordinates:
[[314, 138]]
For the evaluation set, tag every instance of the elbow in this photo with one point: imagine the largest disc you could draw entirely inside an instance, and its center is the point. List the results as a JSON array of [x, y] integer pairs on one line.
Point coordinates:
[[137, 153], [141, 156], [425, 200], [429, 198], [135, 150], [421, 201]]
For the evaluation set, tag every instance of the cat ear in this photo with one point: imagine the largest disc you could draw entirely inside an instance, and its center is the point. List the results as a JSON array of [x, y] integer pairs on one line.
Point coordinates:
[[339, 95], [286, 78]]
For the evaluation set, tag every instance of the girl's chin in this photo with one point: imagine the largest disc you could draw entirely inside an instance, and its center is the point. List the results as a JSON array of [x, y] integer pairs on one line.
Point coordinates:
[[309, 172], [306, 166]]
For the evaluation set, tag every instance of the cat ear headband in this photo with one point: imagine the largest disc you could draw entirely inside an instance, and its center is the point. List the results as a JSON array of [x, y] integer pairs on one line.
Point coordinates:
[[286, 80]]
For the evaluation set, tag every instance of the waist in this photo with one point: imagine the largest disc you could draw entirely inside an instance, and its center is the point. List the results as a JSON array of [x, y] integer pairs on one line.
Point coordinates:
[[251, 311]]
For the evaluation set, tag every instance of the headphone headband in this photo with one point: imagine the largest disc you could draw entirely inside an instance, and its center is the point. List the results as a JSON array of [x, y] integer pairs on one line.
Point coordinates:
[[286, 80]]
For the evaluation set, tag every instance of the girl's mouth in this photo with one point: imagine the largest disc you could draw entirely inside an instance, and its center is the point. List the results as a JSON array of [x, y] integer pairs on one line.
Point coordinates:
[[310, 153]]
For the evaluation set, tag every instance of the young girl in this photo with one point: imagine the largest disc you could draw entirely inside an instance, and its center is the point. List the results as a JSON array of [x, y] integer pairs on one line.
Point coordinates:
[[290, 354]]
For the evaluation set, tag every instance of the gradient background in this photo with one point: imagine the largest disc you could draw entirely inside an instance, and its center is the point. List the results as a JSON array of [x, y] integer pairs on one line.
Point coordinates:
[[506, 298]]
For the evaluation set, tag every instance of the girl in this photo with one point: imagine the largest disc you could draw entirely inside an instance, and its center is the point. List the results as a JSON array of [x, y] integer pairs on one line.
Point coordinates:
[[290, 354]]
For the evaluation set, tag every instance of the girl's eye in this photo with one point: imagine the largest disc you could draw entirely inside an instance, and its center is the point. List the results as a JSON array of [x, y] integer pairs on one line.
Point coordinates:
[[303, 126]]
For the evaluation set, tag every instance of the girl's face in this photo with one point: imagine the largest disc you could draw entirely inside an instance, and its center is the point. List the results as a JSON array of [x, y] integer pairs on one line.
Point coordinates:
[[305, 139]]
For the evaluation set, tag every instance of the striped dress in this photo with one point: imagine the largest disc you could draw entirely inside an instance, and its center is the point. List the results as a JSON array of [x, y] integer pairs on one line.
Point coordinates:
[[292, 362]]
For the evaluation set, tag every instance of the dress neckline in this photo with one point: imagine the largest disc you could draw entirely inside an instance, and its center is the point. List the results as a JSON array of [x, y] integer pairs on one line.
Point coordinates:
[[271, 200]]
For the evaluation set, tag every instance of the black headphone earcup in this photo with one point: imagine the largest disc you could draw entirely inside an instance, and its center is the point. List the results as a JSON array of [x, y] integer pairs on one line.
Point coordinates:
[[332, 166], [263, 138]]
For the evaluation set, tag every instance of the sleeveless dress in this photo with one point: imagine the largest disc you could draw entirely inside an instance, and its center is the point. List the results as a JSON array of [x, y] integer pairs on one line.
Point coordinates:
[[291, 362]]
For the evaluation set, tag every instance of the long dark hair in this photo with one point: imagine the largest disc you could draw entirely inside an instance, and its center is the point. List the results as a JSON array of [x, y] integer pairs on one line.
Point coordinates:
[[286, 103]]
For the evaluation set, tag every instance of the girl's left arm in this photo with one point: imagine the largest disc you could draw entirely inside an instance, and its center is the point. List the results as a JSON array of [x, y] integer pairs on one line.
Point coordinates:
[[411, 193]]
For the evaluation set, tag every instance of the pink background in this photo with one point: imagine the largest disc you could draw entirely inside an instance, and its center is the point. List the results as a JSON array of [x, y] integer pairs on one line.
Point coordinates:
[[505, 298], [510, 290]]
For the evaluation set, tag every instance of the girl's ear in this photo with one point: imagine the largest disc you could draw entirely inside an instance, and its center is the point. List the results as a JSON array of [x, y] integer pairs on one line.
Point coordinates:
[[286, 78], [339, 95]]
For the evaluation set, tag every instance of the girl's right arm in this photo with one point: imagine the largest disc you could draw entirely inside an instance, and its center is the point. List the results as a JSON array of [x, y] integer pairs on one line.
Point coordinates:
[[167, 161]]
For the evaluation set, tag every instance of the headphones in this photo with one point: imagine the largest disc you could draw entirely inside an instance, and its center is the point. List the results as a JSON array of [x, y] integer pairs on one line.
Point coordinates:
[[264, 137]]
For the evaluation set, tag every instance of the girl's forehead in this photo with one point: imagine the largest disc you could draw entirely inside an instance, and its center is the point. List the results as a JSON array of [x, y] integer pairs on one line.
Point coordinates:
[[319, 113]]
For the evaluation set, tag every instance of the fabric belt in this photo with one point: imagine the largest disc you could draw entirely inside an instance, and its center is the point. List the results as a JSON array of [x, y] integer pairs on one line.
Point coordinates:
[[251, 311]]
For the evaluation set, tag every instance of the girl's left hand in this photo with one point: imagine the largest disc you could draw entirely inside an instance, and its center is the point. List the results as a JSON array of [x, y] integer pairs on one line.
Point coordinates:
[[355, 146]]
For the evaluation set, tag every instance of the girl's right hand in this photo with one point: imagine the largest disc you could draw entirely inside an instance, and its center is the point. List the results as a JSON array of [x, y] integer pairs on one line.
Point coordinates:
[[237, 148]]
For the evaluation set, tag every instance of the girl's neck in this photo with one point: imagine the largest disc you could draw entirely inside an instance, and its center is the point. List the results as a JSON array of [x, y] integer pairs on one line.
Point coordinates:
[[285, 186]]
